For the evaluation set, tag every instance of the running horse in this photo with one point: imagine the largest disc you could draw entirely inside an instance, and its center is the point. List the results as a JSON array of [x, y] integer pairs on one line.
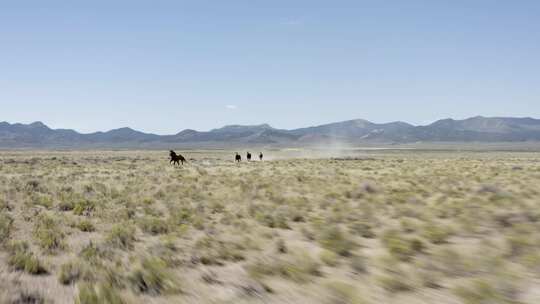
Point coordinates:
[[176, 159]]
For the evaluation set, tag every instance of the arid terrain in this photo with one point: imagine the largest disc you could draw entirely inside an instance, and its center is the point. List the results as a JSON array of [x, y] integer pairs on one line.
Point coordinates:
[[375, 226]]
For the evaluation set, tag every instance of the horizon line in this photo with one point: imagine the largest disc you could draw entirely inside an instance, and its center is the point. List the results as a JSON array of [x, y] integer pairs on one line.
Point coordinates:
[[265, 124]]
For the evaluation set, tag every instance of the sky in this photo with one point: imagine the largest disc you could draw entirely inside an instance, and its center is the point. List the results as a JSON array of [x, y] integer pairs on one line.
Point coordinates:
[[164, 66]]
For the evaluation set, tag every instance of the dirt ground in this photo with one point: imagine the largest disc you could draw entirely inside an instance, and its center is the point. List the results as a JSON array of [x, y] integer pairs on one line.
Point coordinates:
[[299, 227]]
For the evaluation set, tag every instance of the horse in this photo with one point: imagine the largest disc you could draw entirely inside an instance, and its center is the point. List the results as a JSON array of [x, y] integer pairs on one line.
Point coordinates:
[[260, 156], [248, 156], [238, 158], [176, 159]]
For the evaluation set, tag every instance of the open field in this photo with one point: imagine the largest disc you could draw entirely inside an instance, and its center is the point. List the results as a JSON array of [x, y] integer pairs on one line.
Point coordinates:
[[381, 227]]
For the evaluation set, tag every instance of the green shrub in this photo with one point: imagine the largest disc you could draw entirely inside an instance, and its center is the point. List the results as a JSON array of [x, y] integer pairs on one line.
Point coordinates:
[[26, 262], [24, 296], [343, 293], [148, 201], [84, 207], [167, 252], [153, 277], [451, 262], [272, 220], [281, 222], [69, 273], [427, 274], [66, 205], [408, 225], [329, 258], [20, 258], [154, 226], [4, 205], [6, 223], [112, 275], [125, 214], [48, 234], [436, 234], [181, 216], [333, 239], [531, 261], [151, 211], [398, 246], [394, 283], [520, 244], [98, 294], [213, 251], [263, 267], [86, 226], [122, 236], [299, 268], [363, 229], [91, 253], [478, 292], [417, 245], [42, 200], [307, 233], [32, 186], [198, 222]]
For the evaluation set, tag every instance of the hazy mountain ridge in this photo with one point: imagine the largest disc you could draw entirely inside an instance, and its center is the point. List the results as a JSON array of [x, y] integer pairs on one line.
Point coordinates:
[[474, 129]]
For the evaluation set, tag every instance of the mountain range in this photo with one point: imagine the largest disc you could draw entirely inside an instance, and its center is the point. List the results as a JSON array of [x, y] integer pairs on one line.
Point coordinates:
[[358, 131]]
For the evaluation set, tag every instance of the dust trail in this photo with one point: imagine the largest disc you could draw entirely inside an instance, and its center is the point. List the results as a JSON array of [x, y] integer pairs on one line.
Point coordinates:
[[330, 149]]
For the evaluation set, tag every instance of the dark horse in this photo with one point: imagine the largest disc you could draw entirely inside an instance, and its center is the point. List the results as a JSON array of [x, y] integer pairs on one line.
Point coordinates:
[[238, 158], [176, 159], [248, 156]]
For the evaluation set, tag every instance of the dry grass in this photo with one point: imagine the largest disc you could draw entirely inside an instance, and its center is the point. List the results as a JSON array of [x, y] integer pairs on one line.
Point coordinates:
[[394, 227]]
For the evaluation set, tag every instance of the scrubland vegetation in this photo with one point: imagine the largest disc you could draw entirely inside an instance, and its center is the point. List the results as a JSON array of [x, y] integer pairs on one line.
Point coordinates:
[[402, 227]]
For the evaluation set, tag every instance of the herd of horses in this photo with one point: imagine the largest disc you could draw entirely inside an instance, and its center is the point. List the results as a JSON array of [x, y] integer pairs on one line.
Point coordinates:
[[177, 159]]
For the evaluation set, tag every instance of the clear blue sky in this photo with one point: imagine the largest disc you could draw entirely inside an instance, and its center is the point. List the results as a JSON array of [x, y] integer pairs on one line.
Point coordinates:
[[162, 66]]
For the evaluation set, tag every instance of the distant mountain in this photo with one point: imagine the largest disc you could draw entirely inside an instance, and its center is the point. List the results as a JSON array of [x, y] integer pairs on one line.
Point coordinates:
[[358, 130], [475, 129], [483, 129], [121, 135]]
